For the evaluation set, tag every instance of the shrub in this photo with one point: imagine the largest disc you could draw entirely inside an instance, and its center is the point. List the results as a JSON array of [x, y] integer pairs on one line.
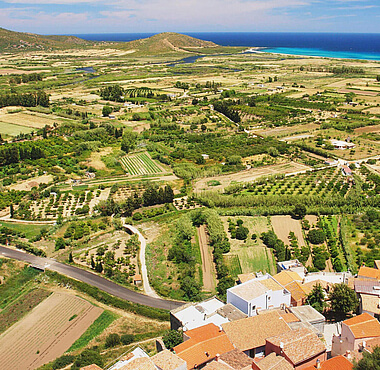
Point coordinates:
[[63, 361], [112, 340], [127, 339], [172, 338]]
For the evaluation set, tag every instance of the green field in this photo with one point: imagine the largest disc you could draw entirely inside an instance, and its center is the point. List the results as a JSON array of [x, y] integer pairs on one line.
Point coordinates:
[[96, 328], [30, 230], [139, 164], [13, 130], [253, 255]]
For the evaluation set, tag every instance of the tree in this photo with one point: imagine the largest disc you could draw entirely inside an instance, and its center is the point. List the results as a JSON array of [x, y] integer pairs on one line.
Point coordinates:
[[316, 236], [88, 357], [316, 298], [128, 141], [107, 110], [378, 78], [172, 338], [71, 259], [60, 244], [343, 299], [242, 232], [11, 210], [370, 361], [299, 211]]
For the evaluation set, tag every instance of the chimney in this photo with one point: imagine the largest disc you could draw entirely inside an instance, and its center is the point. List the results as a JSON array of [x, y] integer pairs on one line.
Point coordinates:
[[281, 346], [318, 366], [217, 357], [348, 354]]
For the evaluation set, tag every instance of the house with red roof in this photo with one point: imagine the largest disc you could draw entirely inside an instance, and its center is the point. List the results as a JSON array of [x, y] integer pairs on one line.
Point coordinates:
[[355, 331]]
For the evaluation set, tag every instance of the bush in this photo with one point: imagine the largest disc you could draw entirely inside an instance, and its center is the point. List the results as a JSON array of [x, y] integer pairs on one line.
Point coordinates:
[[172, 338], [127, 339], [112, 340], [88, 357], [63, 361]]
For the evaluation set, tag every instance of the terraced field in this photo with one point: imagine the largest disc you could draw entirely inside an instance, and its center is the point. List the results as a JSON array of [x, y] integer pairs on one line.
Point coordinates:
[[140, 164], [46, 332]]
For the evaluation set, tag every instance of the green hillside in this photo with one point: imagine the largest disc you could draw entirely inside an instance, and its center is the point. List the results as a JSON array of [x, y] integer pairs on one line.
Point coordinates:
[[13, 41]]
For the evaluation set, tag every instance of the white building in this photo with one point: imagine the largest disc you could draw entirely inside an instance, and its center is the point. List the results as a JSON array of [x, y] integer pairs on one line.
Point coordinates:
[[258, 294], [328, 277], [292, 265]]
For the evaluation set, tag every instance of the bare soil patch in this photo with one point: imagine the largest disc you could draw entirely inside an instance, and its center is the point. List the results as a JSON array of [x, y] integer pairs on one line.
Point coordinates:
[[208, 268], [249, 175], [46, 332], [30, 183], [283, 225], [362, 130]]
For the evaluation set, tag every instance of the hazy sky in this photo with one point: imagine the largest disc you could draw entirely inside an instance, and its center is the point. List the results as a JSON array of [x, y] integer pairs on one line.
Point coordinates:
[[98, 16]]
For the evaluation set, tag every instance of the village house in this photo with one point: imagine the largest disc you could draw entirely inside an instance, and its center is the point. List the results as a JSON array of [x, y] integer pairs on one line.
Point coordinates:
[[249, 335], [342, 145], [193, 315], [301, 348], [258, 294], [202, 345], [354, 332], [335, 363], [368, 291], [369, 273], [271, 362], [292, 265], [291, 281]]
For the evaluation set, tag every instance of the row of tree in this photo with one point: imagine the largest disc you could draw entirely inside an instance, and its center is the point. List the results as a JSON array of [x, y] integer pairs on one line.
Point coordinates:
[[25, 100]]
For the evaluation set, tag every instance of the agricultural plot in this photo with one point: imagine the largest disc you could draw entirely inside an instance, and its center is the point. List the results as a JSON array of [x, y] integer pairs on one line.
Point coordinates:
[[65, 204], [250, 255], [46, 332], [140, 164], [13, 130], [283, 225], [323, 183]]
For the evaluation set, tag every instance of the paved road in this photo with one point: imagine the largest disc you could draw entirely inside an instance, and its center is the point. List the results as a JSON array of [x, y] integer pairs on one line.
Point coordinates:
[[91, 279]]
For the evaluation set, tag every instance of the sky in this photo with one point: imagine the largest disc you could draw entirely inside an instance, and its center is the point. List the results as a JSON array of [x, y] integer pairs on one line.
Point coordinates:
[[151, 16]]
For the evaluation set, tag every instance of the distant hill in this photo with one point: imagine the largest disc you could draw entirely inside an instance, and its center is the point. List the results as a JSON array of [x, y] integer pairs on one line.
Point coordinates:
[[167, 42], [12, 41], [162, 43]]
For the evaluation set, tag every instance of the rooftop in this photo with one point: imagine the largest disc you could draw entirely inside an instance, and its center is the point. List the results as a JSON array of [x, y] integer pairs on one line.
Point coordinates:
[[203, 351], [142, 363], [231, 313], [370, 303], [167, 360], [364, 326], [236, 359], [299, 345], [286, 277], [369, 272], [335, 363], [216, 365], [256, 287], [367, 286], [296, 290], [307, 313], [91, 367], [243, 278], [273, 362], [251, 332]]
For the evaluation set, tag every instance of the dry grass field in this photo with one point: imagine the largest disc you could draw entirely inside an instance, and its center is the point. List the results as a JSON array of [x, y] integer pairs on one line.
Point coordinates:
[[283, 225], [249, 175], [46, 332], [27, 185]]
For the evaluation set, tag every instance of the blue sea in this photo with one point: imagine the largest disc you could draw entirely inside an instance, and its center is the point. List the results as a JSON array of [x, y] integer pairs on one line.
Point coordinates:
[[333, 45]]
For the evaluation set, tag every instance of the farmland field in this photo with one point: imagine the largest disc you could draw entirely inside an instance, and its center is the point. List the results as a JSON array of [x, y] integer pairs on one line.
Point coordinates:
[[283, 225], [46, 332], [251, 255], [13, 130], [140, 164]]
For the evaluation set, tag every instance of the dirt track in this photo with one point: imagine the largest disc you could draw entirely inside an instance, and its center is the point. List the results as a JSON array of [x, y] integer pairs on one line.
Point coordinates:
[[207, 263]]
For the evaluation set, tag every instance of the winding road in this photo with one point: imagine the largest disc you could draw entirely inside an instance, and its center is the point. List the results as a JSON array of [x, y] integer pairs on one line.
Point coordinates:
[[91, 279]]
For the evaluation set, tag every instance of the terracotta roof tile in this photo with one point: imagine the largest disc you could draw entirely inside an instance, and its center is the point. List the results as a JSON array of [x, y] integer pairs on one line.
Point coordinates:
[[214, 365], [363, 326], [289, 317], [204, 351], [369, 272], [335, 363], [296, 290], [273, 362], [142, 363], [198, 335], [286, 277], [299, 345], [167, 360], [91, 367], [308, 287], [236, 359], [251, 332]]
